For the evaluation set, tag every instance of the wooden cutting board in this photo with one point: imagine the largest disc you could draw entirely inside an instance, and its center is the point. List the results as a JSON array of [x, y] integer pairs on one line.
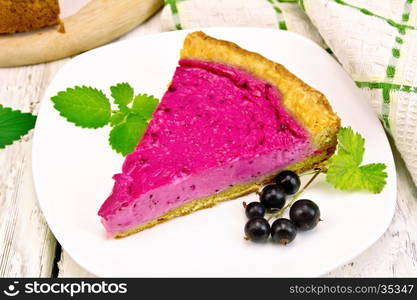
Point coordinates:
[[97, 23]]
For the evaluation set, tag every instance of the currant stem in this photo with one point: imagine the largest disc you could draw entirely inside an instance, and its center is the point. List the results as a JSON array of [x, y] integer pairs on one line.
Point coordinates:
[[282, 210]]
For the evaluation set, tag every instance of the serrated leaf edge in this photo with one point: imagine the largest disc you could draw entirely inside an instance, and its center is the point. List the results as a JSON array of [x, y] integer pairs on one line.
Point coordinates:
[[121, 107], [109, 140]]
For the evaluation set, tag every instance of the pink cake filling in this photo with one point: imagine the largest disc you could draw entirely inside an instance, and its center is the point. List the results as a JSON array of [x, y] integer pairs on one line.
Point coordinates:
[[216, 126]]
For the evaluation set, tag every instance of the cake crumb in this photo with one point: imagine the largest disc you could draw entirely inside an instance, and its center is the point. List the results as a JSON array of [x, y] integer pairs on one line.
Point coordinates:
[[61, 28]]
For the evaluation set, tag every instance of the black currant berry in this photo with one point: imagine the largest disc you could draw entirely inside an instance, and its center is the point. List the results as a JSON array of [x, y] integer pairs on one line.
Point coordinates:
[[273, 196], [289, 181], [257, 230], [305, 214], [283, 231], [255, 210]]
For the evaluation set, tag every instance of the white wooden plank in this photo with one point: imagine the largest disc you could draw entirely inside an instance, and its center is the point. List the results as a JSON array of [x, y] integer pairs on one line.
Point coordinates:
[[69, 268], [27, 247]]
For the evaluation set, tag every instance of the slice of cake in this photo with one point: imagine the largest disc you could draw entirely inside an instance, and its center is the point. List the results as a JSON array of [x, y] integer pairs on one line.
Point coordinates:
[[229, 121], [26, 15]]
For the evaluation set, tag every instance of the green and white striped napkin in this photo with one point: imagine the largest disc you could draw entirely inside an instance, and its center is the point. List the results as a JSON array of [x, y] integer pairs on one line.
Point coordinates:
[[374, 40], [280, 14]]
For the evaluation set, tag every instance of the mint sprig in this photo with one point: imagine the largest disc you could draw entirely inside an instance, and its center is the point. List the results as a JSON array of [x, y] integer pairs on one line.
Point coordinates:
[[13, 125], [345, 171], [88, 107]]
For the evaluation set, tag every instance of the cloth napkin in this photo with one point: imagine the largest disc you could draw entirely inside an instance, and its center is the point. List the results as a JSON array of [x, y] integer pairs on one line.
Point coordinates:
[[374, 40]]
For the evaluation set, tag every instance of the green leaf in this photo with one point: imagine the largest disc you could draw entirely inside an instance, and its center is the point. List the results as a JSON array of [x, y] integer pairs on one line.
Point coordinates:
[[13, 125], [125, 137], [351, 143], [123, 94], [374, 177], [344, 171], [145, 105], [117, 118], [84, 106]]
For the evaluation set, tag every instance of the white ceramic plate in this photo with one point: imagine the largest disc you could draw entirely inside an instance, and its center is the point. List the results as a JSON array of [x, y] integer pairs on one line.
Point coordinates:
[[73, 168]]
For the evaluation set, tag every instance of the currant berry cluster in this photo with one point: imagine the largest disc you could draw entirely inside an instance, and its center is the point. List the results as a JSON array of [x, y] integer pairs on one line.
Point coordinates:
[[304, 214]]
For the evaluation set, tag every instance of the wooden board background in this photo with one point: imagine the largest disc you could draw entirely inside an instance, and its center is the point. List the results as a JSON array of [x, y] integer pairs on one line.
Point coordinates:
[[95, 24]]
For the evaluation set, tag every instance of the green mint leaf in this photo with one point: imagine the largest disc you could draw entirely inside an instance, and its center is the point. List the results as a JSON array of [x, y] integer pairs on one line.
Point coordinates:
[[374, 177], [145, 105], [352, 144], [125, 137], [84, 106], [13, 125], [123, 94], [344, 170], [117, 118]]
